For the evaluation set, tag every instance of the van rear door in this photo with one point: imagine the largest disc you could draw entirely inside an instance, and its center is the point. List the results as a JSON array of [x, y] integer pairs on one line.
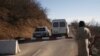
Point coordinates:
[[62, 27], [55, 28]]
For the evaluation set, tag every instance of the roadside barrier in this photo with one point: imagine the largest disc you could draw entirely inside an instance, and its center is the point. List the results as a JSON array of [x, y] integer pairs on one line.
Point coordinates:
[[9, 47]]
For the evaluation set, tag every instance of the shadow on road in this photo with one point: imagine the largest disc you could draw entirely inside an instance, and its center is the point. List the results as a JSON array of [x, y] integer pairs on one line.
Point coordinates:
[[40, 40], [30, 41], [5, 54]]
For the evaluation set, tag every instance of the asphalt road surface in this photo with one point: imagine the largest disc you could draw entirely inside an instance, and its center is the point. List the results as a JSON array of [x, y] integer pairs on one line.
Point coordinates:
[[61, 47]]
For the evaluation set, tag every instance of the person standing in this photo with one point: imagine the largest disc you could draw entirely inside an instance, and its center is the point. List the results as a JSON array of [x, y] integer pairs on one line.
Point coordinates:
[[83, 37]]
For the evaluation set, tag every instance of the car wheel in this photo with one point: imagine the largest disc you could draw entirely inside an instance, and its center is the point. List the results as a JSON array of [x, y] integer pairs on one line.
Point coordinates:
[[39, 38], [53, 37]]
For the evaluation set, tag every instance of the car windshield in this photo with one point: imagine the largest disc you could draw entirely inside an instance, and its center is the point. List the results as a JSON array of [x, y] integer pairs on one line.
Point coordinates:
[[40, 29]]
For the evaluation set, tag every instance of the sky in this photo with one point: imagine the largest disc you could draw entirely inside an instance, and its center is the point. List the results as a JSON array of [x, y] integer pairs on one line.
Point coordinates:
[[87, 10]]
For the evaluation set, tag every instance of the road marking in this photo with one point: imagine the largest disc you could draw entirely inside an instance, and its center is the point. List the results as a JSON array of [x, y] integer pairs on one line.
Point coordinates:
[[40, 49], [37, 52]]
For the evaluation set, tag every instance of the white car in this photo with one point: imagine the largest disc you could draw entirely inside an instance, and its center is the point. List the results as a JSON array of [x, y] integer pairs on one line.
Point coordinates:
[[60, 27], [42, 32]]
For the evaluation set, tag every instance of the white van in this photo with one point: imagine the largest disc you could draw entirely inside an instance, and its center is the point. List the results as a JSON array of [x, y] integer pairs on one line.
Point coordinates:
[[59, 27]]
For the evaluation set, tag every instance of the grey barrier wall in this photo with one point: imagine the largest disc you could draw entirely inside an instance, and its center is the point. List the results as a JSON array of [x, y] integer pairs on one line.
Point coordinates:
[[9, 47]]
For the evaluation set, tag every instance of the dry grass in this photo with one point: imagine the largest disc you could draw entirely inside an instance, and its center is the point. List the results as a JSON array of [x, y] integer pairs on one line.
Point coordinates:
[[18, 18]]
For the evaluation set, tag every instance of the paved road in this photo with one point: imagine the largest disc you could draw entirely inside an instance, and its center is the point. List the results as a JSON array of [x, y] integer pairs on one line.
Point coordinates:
[[62, 47]]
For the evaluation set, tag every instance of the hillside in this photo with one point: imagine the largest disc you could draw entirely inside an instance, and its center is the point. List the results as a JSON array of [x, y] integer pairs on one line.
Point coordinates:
[[18, 18]]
